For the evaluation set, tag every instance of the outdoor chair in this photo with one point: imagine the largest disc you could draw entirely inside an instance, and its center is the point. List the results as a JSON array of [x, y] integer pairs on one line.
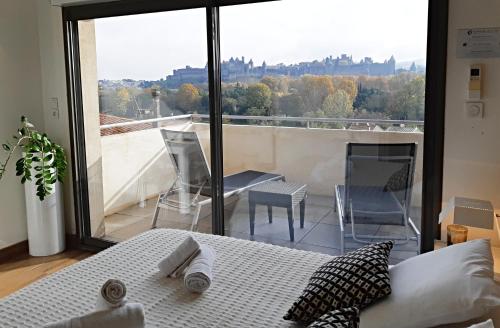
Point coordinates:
[[377, 191], [191, 189]]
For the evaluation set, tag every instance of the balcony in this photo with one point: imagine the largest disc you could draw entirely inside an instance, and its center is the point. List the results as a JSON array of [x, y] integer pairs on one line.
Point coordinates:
[[136, 168]]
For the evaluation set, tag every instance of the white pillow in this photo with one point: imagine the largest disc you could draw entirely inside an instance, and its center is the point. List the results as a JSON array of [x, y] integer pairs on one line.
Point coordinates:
[[486, 324], [453, 284]]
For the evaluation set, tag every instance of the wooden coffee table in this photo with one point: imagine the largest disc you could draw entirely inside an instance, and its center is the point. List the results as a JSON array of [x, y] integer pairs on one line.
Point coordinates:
[[278, 194]]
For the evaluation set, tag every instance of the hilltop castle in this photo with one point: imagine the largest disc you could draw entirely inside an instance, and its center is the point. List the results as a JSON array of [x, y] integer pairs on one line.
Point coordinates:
[[236, 69]]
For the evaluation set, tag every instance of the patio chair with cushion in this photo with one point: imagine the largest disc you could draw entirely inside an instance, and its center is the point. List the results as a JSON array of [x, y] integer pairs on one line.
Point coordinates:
[[191, 189], [377, 191]]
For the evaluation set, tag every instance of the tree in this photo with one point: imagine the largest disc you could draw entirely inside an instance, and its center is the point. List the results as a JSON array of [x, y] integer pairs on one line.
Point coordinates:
[[314, 90], [123, 99], [258, 96], [371, 100], [205, 103], [348, 85], [292, 105], [368, 82], [276, 84], [238, 92], [229, 106], [272, 82], [188, 98], [408, 102], [338, 105]]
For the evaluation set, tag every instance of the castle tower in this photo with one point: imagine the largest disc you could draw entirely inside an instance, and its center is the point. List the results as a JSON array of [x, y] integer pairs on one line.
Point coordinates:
[[392, 65]]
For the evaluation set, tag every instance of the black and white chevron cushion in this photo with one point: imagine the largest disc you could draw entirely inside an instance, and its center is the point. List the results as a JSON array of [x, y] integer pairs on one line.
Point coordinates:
[[343, 318], [356, 279]]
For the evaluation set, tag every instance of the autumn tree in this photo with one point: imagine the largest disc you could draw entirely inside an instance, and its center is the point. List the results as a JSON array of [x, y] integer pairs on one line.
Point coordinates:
[[314, 90], [347, 84], [277, 84], [188, 98]]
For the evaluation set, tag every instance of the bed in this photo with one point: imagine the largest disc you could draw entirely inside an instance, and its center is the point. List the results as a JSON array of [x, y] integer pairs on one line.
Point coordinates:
[[253, 285]]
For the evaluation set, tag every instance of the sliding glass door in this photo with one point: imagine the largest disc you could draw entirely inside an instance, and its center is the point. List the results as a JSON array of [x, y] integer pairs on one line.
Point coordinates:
[[299, 123], [143, 77], [298, 86]]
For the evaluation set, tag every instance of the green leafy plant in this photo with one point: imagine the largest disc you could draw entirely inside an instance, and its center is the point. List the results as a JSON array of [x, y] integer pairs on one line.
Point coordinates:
[[40, 154]]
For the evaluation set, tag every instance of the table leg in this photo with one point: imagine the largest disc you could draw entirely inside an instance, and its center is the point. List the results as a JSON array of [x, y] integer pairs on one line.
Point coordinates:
[[252, 217], [302, 212], [289, 211], [270, 213]]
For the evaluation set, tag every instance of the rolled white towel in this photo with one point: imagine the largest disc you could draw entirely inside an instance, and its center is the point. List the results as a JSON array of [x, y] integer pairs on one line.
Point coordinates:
[[130, 315], [111, 295], [176, 261], [198, 275]]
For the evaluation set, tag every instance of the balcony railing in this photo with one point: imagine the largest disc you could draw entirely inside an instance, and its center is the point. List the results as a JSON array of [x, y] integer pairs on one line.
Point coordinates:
[[302, 120], [136, 165]]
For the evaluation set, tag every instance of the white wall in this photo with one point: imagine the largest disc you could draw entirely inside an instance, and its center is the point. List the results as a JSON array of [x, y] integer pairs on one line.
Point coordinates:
[[20, 94], [50, 34], [472, 147], [135, 167]]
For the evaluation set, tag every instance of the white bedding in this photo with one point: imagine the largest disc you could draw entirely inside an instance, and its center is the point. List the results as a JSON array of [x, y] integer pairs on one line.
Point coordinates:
[[253, 285]]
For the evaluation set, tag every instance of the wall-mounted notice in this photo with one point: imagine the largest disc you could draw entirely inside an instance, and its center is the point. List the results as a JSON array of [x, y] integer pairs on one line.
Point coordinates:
[[478, 43]]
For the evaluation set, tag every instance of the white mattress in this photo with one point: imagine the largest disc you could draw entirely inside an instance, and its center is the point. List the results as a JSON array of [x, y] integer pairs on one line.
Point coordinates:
[[253, 285]]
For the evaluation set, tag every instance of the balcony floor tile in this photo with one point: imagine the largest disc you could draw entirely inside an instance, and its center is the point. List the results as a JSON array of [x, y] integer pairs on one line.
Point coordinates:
[[321, 232]]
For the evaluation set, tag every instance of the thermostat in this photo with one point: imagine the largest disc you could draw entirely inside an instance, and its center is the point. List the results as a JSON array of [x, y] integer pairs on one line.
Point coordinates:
[[475, 77], [474, 109]]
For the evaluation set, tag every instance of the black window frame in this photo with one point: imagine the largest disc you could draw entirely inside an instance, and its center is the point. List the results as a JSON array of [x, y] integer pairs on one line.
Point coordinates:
[[437, 35]]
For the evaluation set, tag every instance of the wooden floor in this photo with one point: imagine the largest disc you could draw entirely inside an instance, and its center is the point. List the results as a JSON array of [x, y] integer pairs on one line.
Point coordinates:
[[23, 270]]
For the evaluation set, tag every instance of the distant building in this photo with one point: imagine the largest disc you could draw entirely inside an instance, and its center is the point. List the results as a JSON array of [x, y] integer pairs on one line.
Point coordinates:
[[236, 69]]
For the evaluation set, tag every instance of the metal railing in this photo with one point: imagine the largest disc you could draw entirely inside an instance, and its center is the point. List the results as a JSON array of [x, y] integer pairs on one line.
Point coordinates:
[[305, 120], [152, 120], [308, 120]]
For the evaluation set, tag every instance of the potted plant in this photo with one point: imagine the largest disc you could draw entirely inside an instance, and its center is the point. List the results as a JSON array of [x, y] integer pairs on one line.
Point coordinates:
[[42, 166]]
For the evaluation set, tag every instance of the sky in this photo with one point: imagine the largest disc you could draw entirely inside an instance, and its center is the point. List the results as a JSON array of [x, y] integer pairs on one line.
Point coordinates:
[[151, 46]]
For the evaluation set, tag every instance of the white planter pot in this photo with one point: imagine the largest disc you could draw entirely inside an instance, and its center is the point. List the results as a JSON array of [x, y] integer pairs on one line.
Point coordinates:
[[45, 221]]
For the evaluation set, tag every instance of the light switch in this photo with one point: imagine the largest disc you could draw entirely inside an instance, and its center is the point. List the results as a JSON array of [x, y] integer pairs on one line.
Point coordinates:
[[474, 110], [54, 107]]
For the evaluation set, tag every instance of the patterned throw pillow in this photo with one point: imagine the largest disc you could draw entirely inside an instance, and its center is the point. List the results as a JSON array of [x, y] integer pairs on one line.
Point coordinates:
[[356, 279], [343, 318]]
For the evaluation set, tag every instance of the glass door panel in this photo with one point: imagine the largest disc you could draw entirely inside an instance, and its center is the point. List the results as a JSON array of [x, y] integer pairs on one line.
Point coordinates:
[[301, 83], [143, 77]]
